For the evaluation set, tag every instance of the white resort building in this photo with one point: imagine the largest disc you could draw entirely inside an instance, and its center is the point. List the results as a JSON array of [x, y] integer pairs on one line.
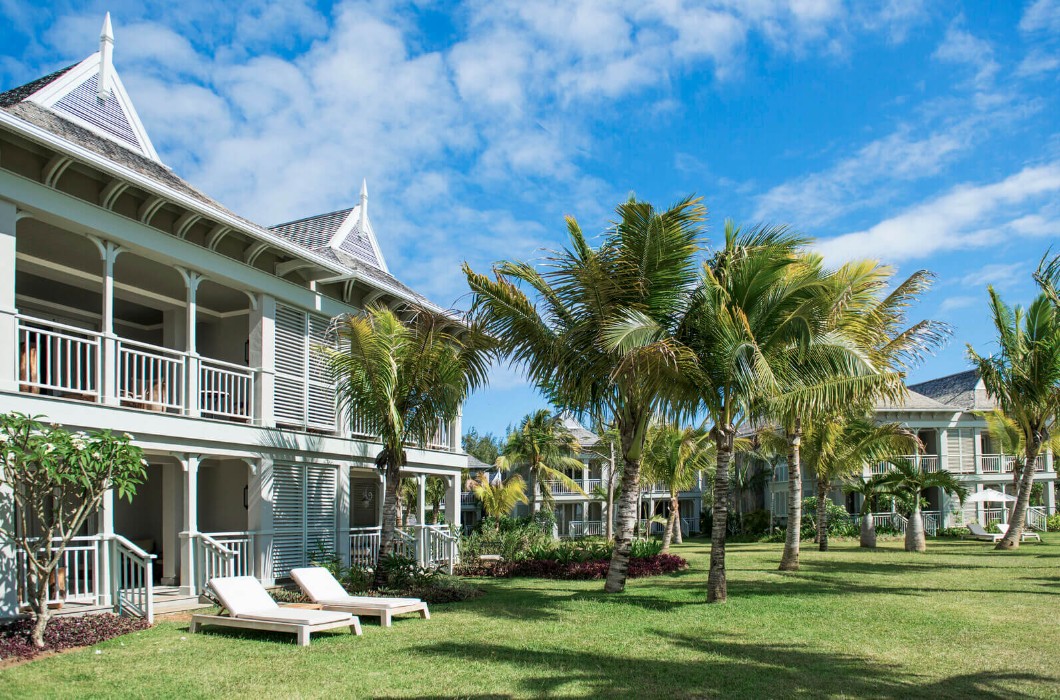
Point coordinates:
[[944, 414], [584, 514], [133, 302]]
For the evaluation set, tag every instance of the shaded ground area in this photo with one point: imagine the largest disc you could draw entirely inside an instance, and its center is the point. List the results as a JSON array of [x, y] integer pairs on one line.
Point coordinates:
[[852, 623]]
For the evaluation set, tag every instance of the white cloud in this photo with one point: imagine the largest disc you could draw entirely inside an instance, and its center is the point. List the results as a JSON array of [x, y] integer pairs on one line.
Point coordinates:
[[962, 48], [1037, 62], [1041, 15], [965, 217], [958, 302], [1000, 275]]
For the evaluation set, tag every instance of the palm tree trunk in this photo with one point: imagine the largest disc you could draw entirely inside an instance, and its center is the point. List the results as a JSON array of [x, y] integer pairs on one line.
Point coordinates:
[[1012, 538], [679, 537], [822, 514], [716, 585], [609, 528], [914, 530], [668, 533], [627, 517], [868, 531], [790, 559], [390, 516]]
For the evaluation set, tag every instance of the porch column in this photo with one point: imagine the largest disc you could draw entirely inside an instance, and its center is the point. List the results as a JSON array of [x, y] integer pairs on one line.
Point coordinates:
[[8, 334], [259, 517], [172, 521], [455, 432], [344, 495], [191, 367], [189, 522], [106, 530], [1050, 497], [263, 358], [452, 501], [109, 360], [421, 500], [379, 500]]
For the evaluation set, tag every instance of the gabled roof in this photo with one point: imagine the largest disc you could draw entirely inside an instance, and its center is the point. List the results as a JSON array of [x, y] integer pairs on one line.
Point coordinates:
[[23, 92], [914, 401], [963, 390], [585, 437], [344, 231], [476, 464]]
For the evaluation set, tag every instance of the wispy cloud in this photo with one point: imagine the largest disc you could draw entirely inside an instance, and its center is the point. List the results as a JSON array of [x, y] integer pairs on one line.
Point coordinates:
[[963, 48]]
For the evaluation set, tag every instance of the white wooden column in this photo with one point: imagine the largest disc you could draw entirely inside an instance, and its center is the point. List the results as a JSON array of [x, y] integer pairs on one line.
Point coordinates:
[[421, 500], [379, 500], [455, 432], [172, 521], [8, 324], [263, 358], [259, 517], [191, 368], [344, 503], [189, 521], [105, 527], [109, 361], [452, 502]]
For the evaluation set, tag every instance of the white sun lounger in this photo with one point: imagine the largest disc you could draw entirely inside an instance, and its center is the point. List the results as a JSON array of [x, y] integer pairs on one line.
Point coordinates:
[[322, 588], [1026, 535], [250, 606], [978, 533]]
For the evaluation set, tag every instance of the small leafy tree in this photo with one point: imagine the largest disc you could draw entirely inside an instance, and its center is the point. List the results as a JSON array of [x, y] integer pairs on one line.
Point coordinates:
[[498, 497], [57, 480]]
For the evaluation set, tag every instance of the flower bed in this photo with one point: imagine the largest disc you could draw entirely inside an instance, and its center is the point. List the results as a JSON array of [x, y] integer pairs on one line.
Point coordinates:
[[66, 632], [639, 567]]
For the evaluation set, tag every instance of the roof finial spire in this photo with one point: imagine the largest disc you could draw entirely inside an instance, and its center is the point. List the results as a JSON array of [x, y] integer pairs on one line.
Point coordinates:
[[364, 204], [106, 49]]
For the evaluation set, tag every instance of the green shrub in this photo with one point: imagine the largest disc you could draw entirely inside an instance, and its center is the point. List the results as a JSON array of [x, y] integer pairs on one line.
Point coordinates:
[[840, 523], [756, 522], [952, 532], [1052, 523], [643, 549]]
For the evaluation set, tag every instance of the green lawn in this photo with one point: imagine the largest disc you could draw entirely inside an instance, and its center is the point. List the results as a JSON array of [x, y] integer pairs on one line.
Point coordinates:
[[852, 623]]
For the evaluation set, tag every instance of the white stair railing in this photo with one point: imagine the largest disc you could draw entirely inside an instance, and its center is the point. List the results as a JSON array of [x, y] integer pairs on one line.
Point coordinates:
[[1037, 518], [439, 547], [132, 579], [212, 559], [242, 544]]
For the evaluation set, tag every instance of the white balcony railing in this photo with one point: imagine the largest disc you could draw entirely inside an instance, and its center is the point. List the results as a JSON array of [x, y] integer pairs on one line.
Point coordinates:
[[67, 362], [562, 488], [926, 463], [585, 528]]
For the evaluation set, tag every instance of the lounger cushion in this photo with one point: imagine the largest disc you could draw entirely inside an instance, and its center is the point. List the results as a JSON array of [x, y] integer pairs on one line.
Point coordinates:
[[242, 594], [318, 583], [296, 616], [371, 602]]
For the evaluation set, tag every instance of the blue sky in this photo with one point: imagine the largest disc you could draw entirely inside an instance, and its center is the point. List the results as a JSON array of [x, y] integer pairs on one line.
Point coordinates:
[[924, 134]]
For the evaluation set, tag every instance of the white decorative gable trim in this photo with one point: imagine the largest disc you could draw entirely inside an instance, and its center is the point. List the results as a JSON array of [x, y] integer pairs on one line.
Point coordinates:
[[74, 96]]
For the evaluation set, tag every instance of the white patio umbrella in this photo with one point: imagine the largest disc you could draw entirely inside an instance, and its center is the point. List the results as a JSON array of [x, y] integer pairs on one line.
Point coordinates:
[[989, 496]]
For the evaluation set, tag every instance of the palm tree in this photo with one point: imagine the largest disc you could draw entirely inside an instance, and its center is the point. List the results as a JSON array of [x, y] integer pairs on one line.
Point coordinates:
[[909, 479], [842, 447], [863, 348], [1024, 379], [400, 379], [599, 334], [871, 491], [435, 491], [544, 447], [499, 497], [753, 312], [1006, 434], [673, 456]]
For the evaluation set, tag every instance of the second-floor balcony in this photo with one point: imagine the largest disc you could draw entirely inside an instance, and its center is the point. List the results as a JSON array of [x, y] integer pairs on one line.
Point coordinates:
[[63, 361], [926, 463]]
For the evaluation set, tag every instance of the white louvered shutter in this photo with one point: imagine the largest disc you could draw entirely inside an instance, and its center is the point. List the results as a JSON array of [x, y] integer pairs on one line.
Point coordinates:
[[288, 517], [290, 398], [960, 448], [321, 394], [304, 514], [320, 509]]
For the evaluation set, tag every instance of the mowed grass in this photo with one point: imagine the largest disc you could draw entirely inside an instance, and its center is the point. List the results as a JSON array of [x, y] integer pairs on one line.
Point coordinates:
[[960, 621]]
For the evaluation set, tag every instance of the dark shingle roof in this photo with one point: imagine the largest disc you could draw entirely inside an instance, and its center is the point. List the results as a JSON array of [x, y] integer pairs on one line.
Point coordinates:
[[958, 390], [585, 437], [476, 464], [915, 401], [313, 231], [22, 92]]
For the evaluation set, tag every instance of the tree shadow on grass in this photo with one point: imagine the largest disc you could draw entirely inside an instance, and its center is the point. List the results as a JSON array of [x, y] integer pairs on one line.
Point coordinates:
[[722, 668]]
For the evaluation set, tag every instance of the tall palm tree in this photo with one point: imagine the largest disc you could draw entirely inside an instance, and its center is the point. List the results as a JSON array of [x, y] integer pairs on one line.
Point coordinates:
[[544, 447], [400, 379], [673, 456], [435, 491], [871, 491], [909, 479], [869, 347], [599, 332], [752, 312], [1024, 379], [842, 447], [499, 497], [1006, 434]]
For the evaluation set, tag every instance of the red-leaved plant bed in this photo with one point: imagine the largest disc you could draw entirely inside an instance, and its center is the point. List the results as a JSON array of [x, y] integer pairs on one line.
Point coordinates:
[[639, 567], [64, 633]]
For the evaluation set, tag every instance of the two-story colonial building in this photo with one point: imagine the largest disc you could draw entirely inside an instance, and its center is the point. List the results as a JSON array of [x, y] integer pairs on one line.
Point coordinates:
[[131, 301]]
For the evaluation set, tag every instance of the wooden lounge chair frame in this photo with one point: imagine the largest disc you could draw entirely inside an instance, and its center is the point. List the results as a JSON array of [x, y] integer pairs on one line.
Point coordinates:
[[302, 630], [384, 612], [982, 535], [1024, 536]]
